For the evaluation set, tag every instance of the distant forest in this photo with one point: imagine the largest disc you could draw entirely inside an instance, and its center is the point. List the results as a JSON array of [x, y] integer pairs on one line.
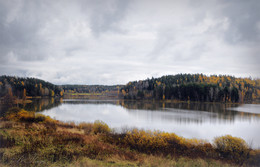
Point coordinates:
[[12, 88], [16, 87], [194, 87], [183, 87], [89, 88]]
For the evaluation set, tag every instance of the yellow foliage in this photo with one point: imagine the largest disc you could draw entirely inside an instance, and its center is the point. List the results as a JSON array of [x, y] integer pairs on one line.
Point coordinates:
[[24, 93], [158, 83], [22, 114], [232, 147], [26, 116], [258, 92], [10, 92], [123, 92], [150, 141], [61, 93], [52, 93], [100, 127], [48, 119]]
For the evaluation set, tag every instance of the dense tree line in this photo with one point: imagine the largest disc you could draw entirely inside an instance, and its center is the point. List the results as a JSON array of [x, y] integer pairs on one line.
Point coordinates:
[[186, 87], [23, 87], [194, 87], [89, 88]]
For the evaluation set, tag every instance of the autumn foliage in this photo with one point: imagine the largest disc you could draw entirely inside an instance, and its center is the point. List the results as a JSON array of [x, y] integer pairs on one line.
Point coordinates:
[[194, 87], [53, 141], [232, 147], [22, 115]]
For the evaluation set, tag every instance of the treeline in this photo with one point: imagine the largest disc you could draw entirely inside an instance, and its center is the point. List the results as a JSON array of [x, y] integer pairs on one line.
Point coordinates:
[[90, 88], [194, 87], [23, 87], [184, 87]]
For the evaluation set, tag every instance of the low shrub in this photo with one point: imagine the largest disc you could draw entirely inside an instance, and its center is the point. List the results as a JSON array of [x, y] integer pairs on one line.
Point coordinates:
[[48, 119], [100, 127], [232, 148], [21, 115], [40, 118], [28, 117], [145, 141], [165, 143]]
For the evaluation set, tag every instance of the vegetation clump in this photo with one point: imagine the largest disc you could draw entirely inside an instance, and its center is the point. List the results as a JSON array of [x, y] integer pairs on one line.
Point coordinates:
[[26, 116], [232, 147], [100, 127]]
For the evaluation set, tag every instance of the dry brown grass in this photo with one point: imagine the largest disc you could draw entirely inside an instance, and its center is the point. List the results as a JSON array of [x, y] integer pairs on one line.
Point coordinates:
[[70, 130], [36, 138]]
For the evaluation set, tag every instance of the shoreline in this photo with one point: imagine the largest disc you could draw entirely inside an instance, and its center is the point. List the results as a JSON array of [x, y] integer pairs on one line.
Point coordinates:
[[18, 124]]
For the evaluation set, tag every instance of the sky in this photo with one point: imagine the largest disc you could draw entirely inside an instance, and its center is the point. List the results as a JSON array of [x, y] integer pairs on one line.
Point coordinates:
[[117, 41]]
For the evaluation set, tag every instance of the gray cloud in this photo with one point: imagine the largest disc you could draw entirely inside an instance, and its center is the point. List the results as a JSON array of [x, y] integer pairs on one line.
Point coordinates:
[[110, 42], [107, 15], [244, 18]]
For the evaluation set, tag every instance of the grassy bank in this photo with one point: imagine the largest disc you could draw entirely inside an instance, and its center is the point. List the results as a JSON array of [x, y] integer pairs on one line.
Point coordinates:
[[30, 139]]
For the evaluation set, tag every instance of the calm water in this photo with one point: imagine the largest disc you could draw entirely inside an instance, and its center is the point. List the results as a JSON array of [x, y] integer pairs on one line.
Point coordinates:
[[190, 120]]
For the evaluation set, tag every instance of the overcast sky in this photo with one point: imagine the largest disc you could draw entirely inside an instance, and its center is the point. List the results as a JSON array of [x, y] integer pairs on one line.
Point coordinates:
[[116, 41]]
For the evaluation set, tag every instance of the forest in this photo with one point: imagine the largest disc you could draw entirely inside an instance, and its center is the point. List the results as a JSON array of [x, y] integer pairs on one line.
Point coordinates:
[[16, 87], [89, 88], [182, 87], [194, 87], [13, 88]]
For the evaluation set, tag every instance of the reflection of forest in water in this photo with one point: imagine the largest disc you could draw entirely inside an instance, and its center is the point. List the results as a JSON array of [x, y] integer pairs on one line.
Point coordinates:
[[182, 112], [179, 111], [185, 112], [38, 105]]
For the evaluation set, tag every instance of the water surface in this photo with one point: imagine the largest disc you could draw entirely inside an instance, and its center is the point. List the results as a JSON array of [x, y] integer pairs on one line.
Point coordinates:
[[190, 120]]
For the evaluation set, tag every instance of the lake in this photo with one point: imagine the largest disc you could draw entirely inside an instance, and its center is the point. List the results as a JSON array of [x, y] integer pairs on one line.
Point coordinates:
[[190, 120]]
